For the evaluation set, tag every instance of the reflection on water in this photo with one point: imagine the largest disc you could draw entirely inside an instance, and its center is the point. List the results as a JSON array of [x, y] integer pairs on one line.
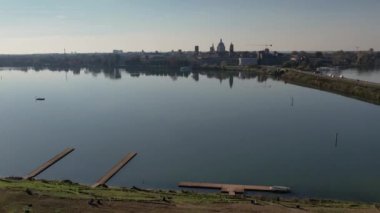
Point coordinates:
[[211, 127], [360, 74], [116, 74]]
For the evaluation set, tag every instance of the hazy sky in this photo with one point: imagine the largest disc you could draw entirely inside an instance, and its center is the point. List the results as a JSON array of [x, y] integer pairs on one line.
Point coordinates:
[[32, 26]]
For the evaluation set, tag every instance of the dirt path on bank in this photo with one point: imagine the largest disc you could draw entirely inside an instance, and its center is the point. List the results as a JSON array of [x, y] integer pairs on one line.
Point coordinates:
[[18, 201]]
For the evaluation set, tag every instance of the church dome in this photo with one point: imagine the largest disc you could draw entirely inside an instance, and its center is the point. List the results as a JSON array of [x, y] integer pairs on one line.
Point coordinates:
[[221, 48]]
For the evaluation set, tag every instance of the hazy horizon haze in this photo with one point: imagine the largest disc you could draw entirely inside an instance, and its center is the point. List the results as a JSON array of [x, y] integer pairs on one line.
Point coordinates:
[[44, 26]]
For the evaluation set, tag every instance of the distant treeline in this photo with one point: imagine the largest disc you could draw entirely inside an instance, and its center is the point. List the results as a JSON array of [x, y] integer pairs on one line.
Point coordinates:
[[61, 61], [296, 59], [310, 61]]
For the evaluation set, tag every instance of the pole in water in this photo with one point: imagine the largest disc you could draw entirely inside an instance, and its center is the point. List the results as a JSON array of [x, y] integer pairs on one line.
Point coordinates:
[[336, 139], [292, 101]]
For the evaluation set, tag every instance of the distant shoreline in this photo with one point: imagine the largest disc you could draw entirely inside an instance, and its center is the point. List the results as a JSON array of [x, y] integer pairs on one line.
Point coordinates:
[[357, 89]]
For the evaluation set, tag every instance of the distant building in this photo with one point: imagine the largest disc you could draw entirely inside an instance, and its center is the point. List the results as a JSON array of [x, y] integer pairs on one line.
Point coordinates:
[[377, 62], [247, 61], [232, 51], [266, 57], [117, 51], [196, 50], [221, 49], [212, 49]]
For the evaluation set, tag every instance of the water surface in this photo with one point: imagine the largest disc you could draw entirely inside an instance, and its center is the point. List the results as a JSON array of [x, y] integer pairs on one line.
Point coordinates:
[[371, 75], [190, 128]]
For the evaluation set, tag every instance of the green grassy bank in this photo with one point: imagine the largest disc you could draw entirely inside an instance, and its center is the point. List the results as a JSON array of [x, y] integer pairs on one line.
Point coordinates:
[[365, 91], [64, 196]]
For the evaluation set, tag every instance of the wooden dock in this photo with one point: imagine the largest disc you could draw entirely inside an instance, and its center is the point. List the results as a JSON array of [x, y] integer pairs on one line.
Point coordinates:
[[49, 163], [233, 189], [112, 172]]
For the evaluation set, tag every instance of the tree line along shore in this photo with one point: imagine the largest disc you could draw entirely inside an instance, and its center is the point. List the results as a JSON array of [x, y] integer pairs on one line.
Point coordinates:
[[302, 60]]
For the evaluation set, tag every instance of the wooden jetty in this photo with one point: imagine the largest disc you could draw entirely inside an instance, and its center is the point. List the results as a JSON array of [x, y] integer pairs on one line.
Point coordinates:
[[233, 189], [115, 169], [49, 163]]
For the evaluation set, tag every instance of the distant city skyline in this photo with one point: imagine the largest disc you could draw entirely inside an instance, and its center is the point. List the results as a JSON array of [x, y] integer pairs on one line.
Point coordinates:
[[45, 26]]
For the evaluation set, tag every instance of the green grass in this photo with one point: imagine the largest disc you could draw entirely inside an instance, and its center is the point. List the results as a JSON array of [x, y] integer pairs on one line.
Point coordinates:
[[75, 191], [359, 90], [64, 190]]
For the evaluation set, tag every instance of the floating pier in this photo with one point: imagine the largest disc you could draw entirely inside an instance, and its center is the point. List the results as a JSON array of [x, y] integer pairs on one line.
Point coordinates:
[[233, 189], [115, 169], [48, 163]]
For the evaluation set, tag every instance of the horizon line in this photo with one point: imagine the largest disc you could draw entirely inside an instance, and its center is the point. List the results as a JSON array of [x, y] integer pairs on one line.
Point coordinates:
[[176, 51]]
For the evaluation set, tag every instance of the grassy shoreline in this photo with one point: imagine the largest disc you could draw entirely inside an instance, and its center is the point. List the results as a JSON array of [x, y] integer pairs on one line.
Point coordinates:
[[61, 196], [361, 90], [357, 89]]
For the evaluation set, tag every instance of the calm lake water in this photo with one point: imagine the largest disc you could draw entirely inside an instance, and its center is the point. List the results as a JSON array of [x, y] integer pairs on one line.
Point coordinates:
[[190, 128], [365, 75]]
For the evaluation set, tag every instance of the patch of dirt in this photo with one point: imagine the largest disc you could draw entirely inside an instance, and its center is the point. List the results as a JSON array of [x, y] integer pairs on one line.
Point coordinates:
[[18, 201]]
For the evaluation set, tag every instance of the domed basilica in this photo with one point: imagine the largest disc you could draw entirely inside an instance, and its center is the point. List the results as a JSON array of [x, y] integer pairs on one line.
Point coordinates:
[[221, 48]]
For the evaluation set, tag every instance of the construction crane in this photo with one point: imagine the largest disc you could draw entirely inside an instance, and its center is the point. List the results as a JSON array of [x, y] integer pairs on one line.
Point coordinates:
[[262, 45]]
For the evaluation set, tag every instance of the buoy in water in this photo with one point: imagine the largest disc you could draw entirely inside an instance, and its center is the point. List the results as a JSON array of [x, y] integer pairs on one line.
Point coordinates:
[[40, 99]]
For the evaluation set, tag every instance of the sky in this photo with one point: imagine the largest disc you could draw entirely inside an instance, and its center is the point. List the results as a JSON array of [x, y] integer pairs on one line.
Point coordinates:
[[50, 26]]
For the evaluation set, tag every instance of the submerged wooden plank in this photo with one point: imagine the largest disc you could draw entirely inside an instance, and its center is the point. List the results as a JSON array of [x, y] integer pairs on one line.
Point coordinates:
[[112, 172], [200, 185], [233, 188], [49, 163]]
